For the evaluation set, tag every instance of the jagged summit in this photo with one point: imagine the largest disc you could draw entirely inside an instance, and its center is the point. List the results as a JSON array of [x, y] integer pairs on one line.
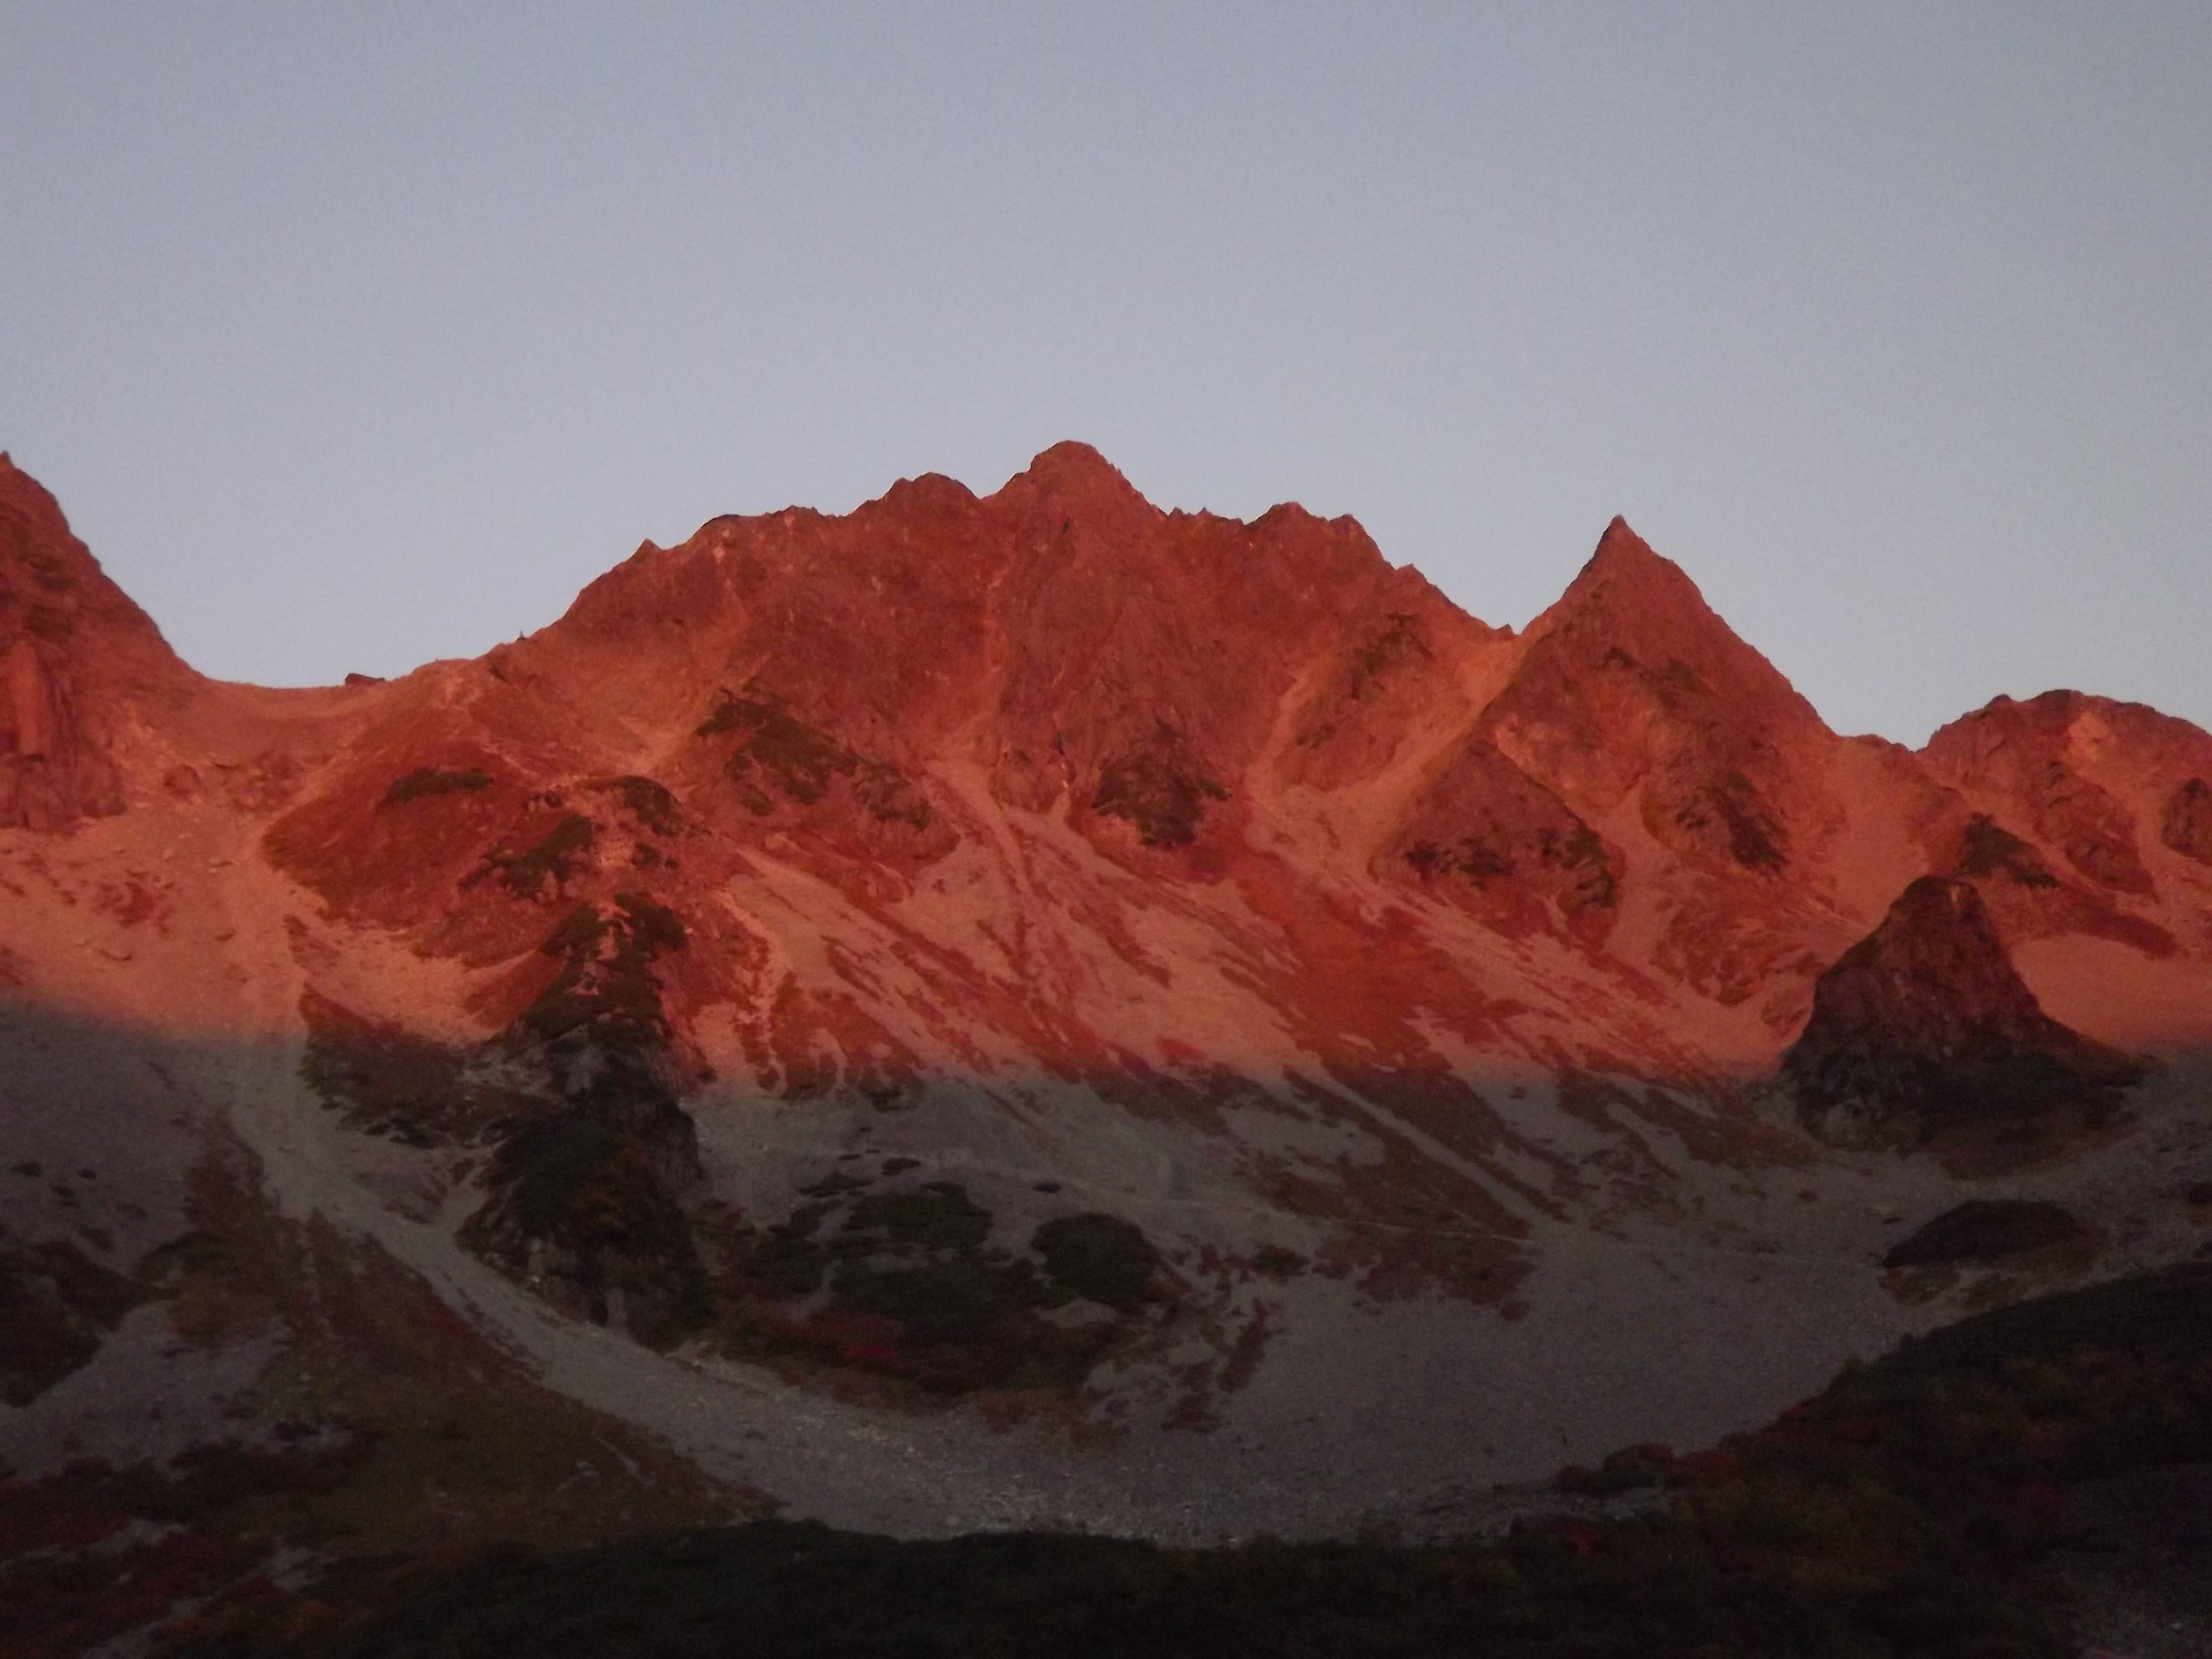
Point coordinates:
[[1197, 698], [930, 492]]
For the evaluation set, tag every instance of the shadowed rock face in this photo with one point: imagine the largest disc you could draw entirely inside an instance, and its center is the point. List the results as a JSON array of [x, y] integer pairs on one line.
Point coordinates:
[[1925, 1031]]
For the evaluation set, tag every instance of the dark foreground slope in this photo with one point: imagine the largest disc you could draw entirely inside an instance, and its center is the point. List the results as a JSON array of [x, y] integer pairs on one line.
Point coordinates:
[[1955, 1498]]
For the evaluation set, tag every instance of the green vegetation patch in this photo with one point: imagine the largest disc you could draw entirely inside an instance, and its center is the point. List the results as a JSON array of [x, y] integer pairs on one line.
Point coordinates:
[[2160, 1321], [1400, 642], [647, 800], [389, 1081], [551, 1164], [1492, 852], [956, 1300], [801, 759], [579, 1199], [606, 988], [583, 1194], [938, 1216]]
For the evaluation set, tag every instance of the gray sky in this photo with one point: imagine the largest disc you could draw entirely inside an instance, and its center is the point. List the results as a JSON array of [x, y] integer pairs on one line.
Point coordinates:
[[353, 336]]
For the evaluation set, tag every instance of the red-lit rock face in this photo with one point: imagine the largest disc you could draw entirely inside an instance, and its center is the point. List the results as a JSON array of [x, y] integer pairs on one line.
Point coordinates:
[[919, 704], [72, 648], [1632, 684]]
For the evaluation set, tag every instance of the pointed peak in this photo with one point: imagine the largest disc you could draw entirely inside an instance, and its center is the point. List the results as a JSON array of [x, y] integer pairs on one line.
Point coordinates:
[[1632, 610], [1618, 534], [1634, 588], [1622, 556], [77, 649]]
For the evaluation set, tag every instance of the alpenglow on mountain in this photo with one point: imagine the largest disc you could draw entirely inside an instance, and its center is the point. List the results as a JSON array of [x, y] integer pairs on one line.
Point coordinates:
[[1032, 1010]]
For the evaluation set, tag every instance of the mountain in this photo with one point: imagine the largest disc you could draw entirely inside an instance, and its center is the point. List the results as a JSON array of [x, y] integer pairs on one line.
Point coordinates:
[[1925, 1031], [1029, 1008]]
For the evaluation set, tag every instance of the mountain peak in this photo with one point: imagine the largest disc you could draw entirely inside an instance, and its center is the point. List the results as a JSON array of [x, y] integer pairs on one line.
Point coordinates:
[[1620, 541], [1629, 598], [1624, 567], [1076, 476], [1631, 682], [1070, 459], [1087, 968]]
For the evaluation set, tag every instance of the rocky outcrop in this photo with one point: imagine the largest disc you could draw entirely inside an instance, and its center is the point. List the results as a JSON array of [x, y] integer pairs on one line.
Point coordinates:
[[585, 1196], [2186, 824], [73, 650], [2041, 758], [1983, 1230], [1399, 665], [1924, 1032], [1495, 841], [55, 767]]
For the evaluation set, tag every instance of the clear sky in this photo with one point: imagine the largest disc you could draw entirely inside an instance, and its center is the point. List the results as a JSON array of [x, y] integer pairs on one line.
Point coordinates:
[[355, 336]]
